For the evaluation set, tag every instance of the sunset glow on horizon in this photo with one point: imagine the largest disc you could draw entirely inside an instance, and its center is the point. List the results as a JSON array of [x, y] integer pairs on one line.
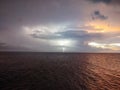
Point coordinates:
[[111, 46]]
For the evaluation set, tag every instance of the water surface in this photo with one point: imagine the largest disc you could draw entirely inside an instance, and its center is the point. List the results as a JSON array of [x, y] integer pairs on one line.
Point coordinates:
[[59, 71]]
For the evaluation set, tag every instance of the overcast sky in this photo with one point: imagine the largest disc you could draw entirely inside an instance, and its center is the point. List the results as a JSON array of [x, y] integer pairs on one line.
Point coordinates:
[[60, 25]]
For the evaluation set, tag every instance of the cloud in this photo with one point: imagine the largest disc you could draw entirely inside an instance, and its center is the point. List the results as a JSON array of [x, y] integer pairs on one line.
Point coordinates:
[[15, 14], [34, 12], [116, 1], [110, 46], [98, 15], [111, 2], [80, 38], [2, 44], [98, 1], [5, 47], [79, 34], [73, 33]]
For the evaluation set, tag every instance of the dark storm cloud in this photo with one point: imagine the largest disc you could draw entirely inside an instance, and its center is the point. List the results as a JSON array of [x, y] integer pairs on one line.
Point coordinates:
[[80, 37], [71, 34], [47, 37], [82, 28], [98, 15], [104, 1], [112, 2], [80, 34]]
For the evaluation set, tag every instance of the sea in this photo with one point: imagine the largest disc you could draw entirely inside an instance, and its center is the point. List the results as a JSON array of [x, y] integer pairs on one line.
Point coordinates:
[[59, 71]]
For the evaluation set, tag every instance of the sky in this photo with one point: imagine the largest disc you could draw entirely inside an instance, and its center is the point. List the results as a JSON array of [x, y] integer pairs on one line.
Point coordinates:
[[60, 25]]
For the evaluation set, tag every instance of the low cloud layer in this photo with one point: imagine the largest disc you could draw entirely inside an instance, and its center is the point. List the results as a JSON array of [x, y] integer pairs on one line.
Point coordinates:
[[5, 47]]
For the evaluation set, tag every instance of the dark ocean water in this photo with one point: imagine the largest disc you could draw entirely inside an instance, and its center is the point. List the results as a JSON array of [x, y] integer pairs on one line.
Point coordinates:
[[59, 71]]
